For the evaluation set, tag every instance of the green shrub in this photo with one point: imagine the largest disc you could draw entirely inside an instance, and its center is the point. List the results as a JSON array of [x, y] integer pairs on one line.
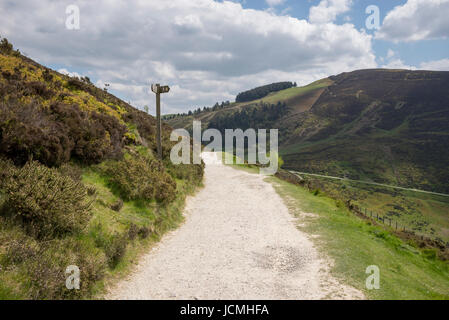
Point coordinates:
[[339, 204], [115, 249], [71, 171], [117, 206], [113, 245], [144, 232], [6, 47], [20, 250], [45, 263], [47, 275], [91, 191], [192, 173], [430, 254], [133, 231], [138, 178], [47, 203], [53, 135]]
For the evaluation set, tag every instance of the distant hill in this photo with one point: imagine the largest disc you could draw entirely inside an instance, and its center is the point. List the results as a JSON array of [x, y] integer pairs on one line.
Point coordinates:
[[389, 126]]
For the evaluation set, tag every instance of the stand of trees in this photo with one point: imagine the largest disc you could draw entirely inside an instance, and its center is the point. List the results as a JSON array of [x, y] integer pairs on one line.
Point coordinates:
[[261, 92], [217, 106], [262, 116]]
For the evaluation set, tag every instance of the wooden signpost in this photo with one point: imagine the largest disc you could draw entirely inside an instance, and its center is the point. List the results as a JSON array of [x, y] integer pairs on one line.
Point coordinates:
[[158, 89]]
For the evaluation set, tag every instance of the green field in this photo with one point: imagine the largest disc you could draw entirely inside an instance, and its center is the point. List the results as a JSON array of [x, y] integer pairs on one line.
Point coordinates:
[[295, 92]]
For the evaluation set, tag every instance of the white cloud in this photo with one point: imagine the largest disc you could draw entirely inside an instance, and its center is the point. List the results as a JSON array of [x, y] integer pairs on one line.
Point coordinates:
[[273, 3], [416, 20], [328, 10], [390, 54], [206, 50], [398, 64], [68, 73], [438, 65], [394, 62]]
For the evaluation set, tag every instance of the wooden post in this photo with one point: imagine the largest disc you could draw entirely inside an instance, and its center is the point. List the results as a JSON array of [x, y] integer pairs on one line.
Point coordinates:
[[158, 89], [158, 119]]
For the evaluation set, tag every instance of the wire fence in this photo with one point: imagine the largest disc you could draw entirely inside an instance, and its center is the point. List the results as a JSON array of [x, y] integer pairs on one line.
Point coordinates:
[[393, 224]]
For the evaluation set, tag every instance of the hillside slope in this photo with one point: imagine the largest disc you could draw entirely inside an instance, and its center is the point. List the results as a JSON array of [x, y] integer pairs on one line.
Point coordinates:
[[382, 125], [79, 182], [388, 126]]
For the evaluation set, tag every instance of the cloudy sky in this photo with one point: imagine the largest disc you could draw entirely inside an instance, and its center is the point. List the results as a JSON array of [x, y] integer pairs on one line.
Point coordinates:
[[208, 51]]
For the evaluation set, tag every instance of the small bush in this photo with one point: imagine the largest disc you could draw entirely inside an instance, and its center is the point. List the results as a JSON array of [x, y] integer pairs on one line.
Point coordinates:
[[139, 178], [316, 192], [115, 249], [47, 75], [133, 231], [20, 250], [117, 206], [91, 191], [40, 89], [6, 47], [71, 171], [44, 264], [114, 246], [6, 166], [47, 203], [339, 204], [430, 254], [144, 232], [47, 275]]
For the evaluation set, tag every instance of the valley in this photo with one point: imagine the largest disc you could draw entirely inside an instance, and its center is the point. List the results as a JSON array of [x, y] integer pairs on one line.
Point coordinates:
[[380, 126]]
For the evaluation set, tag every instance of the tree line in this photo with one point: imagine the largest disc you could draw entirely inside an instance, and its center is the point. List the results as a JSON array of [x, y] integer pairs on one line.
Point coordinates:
[[263, 91], [217, 106], [262, 116]]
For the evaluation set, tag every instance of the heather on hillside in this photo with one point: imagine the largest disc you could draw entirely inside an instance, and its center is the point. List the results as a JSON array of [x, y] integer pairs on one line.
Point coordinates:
[[79, 181]]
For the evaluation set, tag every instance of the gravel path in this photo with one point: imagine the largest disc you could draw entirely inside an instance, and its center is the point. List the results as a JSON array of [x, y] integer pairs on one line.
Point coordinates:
[[238, 242]]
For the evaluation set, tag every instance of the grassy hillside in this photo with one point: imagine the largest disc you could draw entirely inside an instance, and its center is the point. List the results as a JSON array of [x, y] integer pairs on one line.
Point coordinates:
[[79, 182], [297, 100], [385, 126]]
